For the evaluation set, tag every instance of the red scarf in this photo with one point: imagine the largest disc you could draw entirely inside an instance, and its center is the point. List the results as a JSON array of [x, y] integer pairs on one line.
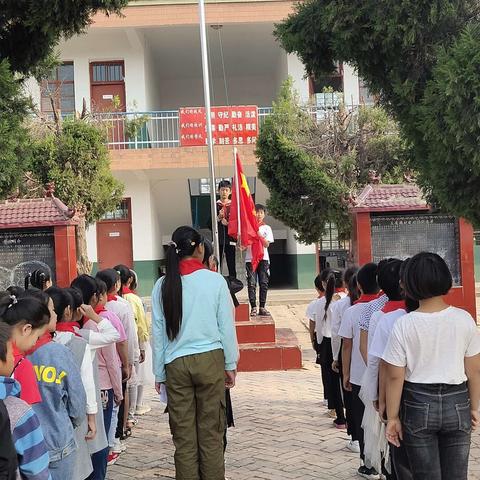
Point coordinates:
[[68, 327], [190, 265], [393, 305], [111, 297], [126, 290], [340, 290], [100, 308], [43, 340], [365, 298]]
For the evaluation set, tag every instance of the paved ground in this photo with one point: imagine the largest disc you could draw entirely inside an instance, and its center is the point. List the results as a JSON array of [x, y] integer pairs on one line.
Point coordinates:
[[281, 429]]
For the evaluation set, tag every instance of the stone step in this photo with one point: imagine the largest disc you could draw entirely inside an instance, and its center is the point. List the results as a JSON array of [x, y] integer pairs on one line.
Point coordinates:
[[283, 354], [256, 330]]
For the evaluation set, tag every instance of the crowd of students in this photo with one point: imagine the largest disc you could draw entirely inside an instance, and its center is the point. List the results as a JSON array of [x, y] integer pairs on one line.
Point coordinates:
[[73, 363], [400, 367]]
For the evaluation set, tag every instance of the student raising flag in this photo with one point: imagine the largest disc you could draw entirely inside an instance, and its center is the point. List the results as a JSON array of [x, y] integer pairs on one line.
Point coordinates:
[[243, 224]]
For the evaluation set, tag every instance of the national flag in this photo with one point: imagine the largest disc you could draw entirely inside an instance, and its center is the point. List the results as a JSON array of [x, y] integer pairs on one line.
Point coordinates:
[[245, 228]]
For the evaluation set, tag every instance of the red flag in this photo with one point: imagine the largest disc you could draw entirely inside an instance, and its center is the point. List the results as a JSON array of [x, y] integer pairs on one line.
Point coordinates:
[[249, 235]]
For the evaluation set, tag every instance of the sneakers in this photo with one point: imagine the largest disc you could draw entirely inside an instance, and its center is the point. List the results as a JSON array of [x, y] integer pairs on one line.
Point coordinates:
[[353, 446], [112, 458], [118, 446], [263, 312], [340, 423], [365, 472], [331, 414], [143, 409], [325, 402]]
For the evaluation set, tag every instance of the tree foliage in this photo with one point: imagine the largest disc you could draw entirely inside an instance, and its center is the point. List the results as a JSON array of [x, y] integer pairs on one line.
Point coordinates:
[[421, 58], [312, 167]]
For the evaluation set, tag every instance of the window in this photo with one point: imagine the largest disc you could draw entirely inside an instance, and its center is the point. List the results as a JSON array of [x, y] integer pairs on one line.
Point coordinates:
[[366, 97], [59, 87], [122, 212], [110, 72], [332, 82]]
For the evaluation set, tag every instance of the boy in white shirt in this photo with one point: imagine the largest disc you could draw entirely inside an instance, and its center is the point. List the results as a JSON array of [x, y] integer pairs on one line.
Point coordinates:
[[263, 269]]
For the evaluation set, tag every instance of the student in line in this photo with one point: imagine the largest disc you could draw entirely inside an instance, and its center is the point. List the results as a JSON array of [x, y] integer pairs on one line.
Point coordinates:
[[353, 364], [195, 353], [23, 424], [431, 354], [63, 406], [227, 244], [40, 278]]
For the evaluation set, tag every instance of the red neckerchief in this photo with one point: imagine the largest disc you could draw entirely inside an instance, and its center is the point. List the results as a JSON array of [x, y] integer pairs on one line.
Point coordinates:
[[340, 290], [126, 290], [365, 298], [190, 265], [393, 305], [43, 340], [68, 327], [111, 297], [99, 309]]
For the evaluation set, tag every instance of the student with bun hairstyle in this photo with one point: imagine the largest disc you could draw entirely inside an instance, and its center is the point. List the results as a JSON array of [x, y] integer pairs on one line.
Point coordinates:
[[40, 278], [431, 354], [195, 353], [29, 321]]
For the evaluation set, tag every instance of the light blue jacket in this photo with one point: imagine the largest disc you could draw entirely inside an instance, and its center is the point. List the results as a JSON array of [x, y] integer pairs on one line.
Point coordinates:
[[207, 322]]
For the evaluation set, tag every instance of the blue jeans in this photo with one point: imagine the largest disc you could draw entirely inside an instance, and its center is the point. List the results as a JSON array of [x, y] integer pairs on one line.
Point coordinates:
[[437, 427], [99, 459]]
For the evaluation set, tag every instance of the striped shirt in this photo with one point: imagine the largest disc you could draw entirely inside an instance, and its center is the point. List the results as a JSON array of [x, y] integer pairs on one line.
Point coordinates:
[[27, 433]]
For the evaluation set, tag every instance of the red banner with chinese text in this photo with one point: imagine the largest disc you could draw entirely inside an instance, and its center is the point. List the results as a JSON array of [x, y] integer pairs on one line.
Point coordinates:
[[237, 125]]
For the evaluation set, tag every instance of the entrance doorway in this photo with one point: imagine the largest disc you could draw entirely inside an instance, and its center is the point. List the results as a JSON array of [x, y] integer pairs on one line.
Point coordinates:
[[114, 237], [107, 90]]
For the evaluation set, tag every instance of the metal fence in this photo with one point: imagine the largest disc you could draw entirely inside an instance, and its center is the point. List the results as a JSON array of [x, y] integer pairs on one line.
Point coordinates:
[[139, 130]]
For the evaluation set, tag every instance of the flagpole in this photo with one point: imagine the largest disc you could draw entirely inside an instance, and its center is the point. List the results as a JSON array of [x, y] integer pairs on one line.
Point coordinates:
[[206, 94], [237, 193]]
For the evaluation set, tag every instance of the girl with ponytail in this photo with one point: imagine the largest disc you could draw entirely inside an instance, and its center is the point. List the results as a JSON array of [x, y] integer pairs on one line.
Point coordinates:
[[332, 283], [195, 353], [40, 278]]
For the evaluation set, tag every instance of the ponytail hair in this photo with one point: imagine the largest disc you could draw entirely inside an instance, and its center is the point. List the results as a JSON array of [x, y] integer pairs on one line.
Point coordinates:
[[62, 299], [38, 278], [110, 276], [124, 272], [87, 286], [334, 280], [353, 290], [184, 242], [24, 310]]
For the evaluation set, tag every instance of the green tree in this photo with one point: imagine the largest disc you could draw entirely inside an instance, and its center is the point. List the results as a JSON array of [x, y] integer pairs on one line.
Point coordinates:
[[74, 158], [312, 167], [421, 58]]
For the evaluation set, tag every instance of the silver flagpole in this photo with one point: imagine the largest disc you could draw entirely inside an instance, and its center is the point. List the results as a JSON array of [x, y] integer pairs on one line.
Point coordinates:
[[206, 94]]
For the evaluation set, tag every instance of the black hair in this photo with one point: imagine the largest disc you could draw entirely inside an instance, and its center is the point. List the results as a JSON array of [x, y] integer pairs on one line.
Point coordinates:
[[16, 290], [426, 276], [110, 276], [41, 295], [224, 184], [77, 297], [348, 274], [62, 299], [87, 285], [353, 291], [410, 304], [124, 272], [259, 206], [208, 251], [5, 337], [134, 284], [184, 242], [389, 278], [334, 280], [318, 283], [102, 288], [23, 310], [38, 278], [367, 278]]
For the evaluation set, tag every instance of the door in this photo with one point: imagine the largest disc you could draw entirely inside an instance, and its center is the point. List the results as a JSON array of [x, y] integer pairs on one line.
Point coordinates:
[[107, 90], [114, 238]]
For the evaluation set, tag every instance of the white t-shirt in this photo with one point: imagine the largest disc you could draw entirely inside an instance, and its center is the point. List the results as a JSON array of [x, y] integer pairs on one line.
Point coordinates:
[[266, 232], [310, 312], [338, 309], [323, 324], [432, 346], [379, 330], [350, 328]]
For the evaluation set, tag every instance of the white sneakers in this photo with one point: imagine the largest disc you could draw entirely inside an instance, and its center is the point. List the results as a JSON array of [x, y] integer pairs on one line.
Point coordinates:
[[353, 446], [118, 446], [142, 410]]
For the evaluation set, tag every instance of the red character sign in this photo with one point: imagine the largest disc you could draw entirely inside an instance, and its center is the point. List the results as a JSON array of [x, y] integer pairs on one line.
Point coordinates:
[[237, 125]]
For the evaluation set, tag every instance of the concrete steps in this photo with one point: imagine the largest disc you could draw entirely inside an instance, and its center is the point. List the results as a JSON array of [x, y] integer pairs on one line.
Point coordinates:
[[264, 347]]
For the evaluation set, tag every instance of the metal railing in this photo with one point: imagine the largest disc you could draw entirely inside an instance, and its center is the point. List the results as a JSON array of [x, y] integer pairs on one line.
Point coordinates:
[[160, 129]]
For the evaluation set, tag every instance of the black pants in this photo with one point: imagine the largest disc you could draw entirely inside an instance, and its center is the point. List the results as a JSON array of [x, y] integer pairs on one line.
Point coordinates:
[[347, 401], [332, 379], [263, 273], [229, 251], [121, 413], [358, 409]]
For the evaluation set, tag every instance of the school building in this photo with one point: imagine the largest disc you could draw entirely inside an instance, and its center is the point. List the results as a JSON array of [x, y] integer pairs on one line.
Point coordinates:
[[137, 72]]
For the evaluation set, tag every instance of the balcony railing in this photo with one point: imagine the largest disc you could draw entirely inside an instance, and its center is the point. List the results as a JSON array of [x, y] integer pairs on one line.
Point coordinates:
[[139, 130]]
